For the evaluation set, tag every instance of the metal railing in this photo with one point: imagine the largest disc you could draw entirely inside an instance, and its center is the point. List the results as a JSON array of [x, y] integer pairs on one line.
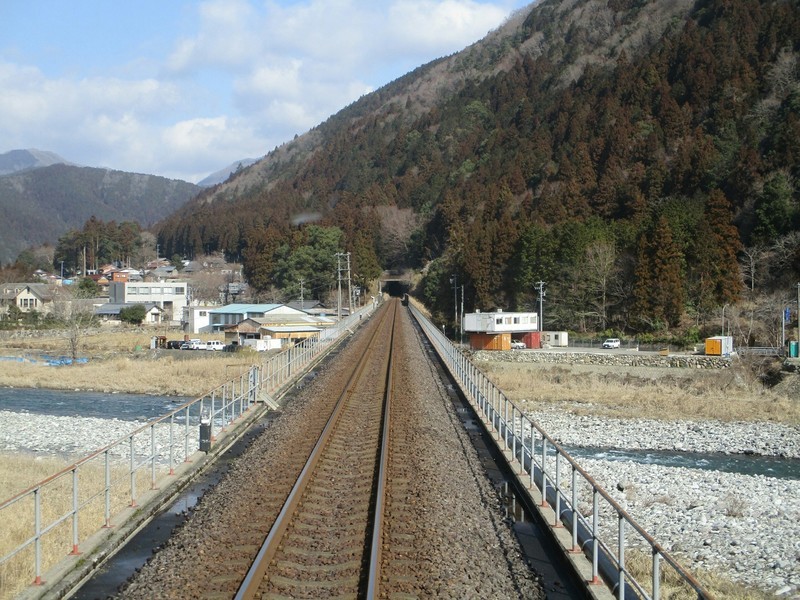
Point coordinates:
[[600, 528], [67, 508]]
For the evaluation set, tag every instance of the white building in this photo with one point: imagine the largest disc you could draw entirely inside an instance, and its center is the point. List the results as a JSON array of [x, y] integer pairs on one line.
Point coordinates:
[[197, 319], [171, 297], [501, 322]]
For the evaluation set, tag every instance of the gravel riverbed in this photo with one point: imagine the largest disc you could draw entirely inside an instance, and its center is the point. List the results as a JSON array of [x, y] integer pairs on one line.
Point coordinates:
[[746, 527]]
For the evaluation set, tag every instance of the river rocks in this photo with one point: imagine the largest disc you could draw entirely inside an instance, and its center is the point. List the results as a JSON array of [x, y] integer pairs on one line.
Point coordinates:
[[616, 359], [77, 436], [746, 527], [769, 439]]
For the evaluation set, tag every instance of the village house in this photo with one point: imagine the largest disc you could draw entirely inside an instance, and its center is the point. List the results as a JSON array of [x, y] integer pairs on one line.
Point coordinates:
[[266, 326], [27, 297], [109, 313], [171, 297]]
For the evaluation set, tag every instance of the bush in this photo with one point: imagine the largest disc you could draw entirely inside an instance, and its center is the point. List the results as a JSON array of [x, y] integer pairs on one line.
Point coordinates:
[[133, 314]]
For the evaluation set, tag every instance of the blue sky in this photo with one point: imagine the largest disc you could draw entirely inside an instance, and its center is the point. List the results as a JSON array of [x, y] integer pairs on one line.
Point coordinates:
[[182, 89]]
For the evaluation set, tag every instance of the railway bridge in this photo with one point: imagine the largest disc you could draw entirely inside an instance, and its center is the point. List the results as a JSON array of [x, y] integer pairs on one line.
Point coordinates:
[[370, 480]]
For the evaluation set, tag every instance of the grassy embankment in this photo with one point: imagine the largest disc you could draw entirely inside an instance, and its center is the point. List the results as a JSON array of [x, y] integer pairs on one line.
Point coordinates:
[[733, 394], [116, 365]]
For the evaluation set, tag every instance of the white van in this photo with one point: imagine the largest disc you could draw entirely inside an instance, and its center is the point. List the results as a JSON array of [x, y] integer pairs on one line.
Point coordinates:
[[214, 345]]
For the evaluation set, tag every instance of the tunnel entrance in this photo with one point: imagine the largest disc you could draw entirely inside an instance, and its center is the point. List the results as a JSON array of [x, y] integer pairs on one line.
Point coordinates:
[[396, 287]]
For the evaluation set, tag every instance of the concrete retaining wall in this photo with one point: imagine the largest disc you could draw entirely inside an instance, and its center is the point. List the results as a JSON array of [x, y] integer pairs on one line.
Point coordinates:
[[611, 359]]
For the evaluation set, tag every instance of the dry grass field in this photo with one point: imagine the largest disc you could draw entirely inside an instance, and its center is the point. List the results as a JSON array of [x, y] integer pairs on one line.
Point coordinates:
[[121, 361], [732, 394]]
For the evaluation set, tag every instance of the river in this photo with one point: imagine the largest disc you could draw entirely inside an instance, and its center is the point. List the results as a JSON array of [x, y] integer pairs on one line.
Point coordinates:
[[136, 407]]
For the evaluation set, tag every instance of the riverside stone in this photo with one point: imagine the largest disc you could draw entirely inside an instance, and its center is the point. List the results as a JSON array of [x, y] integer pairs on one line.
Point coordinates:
[[746, 514]]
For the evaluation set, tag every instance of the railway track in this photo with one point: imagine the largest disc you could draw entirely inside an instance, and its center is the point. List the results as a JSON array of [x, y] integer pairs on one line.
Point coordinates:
[[443, 532], [326, 540]]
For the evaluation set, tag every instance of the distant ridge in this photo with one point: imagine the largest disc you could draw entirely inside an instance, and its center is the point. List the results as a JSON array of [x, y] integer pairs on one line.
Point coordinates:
[[222, 175], [39, 204], [21, 160]]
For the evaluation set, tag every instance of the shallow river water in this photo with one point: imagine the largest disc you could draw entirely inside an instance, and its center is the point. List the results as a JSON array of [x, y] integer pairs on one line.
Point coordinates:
[[136, 407]]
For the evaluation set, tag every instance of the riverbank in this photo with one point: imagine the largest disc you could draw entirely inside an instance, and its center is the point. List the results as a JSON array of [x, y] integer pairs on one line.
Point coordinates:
[[187, 373], [743, 526]]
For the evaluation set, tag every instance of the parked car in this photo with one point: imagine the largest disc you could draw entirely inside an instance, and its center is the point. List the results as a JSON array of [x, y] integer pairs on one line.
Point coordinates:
[[193, 345], [518, 345], [214, 345], [611, 343], [174, 344]]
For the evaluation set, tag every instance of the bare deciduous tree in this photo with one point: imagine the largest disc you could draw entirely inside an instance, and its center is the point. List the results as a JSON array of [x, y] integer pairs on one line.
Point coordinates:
[[755, 265], [600, 269], [77, 318], [397, 226]]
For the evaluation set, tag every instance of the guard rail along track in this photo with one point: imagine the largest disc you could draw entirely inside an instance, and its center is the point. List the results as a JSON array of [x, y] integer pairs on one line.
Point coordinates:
[[88, 509], [326, 539], [593, 530]]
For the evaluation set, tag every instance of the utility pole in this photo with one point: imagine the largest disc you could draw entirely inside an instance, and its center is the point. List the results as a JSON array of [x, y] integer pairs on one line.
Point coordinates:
[[454, 281], [302, 306], [461, 322], [339, 256], [540, 287], [349, 290], [798, 314], [339, 279], [723, 319]]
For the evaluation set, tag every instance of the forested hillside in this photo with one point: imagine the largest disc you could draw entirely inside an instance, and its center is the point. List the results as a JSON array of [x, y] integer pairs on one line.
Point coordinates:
[[39, 205], [639, 158]]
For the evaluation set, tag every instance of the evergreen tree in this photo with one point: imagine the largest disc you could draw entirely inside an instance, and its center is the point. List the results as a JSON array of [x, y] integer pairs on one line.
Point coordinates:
[[714, 273], [658, 289]]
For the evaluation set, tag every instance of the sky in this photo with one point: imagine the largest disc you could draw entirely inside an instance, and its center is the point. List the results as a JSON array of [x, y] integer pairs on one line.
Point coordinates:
[[183, 88]]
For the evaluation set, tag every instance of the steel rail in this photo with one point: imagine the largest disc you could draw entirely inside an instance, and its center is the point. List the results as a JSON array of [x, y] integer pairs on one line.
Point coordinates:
[[257, 571], [375, 561]]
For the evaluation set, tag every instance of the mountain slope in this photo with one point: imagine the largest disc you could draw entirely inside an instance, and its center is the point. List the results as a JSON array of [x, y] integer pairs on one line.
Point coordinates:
[[581, 127], [39, 205]]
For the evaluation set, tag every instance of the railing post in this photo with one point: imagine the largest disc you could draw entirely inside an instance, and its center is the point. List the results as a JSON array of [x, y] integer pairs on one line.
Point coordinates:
[[37, 531], [153, 456], [172, 444], [656, 574], [575, 548], [107, 489], [595, 540], [544, 470], [514, 432], [621, 556], [531, 482], [133, 473], [186, 433], [557, 488], [75, 512]]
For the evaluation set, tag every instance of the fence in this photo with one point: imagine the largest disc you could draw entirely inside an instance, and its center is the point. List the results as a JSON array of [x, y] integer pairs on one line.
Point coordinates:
[[56, 515], [599, 527]]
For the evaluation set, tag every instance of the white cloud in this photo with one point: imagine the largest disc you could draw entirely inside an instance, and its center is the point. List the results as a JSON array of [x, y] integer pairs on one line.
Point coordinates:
[[248, 78], [441, 26]]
